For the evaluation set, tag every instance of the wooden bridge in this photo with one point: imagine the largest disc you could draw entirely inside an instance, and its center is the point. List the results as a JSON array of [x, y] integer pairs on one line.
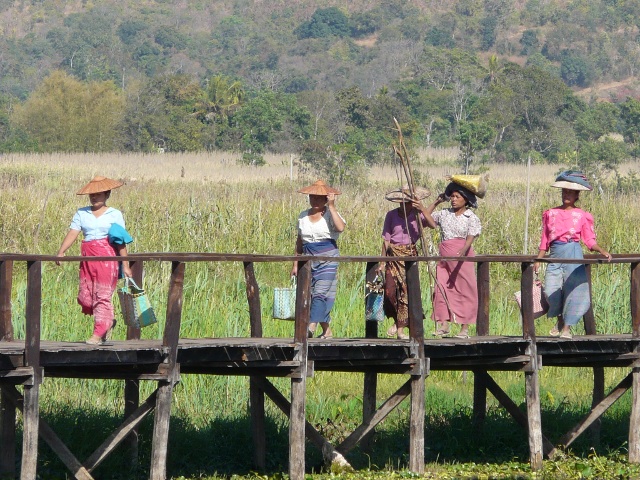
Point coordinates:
[[24, 363]]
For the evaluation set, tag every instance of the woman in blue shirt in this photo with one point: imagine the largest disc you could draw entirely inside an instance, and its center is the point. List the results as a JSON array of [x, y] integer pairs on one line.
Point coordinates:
[[97, 279]]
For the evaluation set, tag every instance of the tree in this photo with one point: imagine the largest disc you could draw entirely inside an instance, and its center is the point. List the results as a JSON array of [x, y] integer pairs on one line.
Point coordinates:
[[473, 136], [66, 115], [325, 22]]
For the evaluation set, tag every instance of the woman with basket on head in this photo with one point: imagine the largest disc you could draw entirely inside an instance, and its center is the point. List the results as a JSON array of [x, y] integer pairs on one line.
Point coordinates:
[[399, 236], [318, 230], [563, 227], [104, 235], [455, 296]]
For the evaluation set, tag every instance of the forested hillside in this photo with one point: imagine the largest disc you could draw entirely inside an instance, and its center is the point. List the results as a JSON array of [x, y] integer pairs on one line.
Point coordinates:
[[502, 79]]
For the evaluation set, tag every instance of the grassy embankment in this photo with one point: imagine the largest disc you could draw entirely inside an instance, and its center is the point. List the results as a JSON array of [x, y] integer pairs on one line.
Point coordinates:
[[213, 205]]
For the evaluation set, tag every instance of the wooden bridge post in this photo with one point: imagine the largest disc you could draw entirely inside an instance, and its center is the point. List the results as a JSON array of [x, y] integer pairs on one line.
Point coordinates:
[[482, 329], [299, 383], [598, 372], [132, 387], [416, 334], [7, 410], [31, 409], [532, 386], [256, 394], [634, 420], [369, 393], [165, 388]]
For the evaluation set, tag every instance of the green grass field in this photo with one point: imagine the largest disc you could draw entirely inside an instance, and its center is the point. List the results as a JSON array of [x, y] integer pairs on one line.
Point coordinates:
[[218, 206]]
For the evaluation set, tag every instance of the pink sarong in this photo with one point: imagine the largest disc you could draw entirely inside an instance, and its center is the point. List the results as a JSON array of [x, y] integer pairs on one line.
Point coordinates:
[[97, 283], [456, 281]]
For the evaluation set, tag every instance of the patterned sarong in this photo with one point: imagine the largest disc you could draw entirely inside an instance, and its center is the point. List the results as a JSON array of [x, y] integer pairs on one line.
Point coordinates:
[[456, 286], [565, 284], [97, 283], [396, 299], [324, 280]]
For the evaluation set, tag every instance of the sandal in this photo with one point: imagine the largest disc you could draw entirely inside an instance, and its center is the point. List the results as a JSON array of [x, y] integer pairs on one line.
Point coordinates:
[[554, 332], [107, 336], [441, 333], [566, 335], [326, 336], [94, 341], [462, 335], [402, 336]]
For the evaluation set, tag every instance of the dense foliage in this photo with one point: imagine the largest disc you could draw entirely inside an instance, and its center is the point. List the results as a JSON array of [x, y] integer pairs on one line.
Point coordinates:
[[501, 80]]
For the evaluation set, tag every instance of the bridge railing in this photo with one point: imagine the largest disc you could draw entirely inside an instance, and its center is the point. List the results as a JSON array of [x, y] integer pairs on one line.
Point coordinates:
[[179, 261]]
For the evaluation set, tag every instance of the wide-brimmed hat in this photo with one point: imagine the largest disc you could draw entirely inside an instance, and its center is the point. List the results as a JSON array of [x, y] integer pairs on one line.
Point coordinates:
[[403, 194], [99, 184], [319, 188], [572, 180]]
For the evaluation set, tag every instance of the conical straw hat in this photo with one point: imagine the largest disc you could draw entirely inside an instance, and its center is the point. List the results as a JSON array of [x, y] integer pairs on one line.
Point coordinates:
[[99, 184], [319, 188], [403, 195]]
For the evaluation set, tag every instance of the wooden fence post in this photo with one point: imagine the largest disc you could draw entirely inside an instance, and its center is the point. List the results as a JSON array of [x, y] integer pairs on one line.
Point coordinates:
[[482, 328], [256, 394], [369, 393], [165, 388], [416, 334], [299, 383], [634, 420], [7, 410], [31, 395], [532, 386], [132, 387]]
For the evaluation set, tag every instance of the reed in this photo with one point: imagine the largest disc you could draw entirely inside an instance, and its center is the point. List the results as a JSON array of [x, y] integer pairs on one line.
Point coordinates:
[[219, 206]]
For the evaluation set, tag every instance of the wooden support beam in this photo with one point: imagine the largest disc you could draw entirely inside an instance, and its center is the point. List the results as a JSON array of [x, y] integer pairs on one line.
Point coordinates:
[[329, 454], [50, 437], [256, 395], [299, 385], [165, 389], [132, 387], [416, 334], [121, 433], [510, 406], [597, 411], [370, 387], [379, 415]]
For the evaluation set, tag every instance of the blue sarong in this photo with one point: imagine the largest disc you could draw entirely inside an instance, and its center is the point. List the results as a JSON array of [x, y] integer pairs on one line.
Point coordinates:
[[565, 284], [324, 280]]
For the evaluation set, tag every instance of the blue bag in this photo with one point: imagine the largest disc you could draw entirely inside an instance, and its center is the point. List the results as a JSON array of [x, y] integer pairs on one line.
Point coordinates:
[[374, 298], [136, 309]]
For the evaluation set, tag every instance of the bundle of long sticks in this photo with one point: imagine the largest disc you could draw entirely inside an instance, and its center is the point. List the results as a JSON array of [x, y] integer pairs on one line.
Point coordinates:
[[403, 155]]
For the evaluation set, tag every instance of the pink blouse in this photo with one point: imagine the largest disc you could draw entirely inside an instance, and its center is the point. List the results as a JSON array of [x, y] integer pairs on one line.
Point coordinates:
[[559, 224], [394, 230]]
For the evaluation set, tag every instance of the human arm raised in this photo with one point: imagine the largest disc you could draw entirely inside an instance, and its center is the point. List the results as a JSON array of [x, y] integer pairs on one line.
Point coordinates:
[[338, 223], [427, 211]]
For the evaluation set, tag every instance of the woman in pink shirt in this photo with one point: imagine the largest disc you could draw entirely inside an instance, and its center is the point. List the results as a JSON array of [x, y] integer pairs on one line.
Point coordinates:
[[399, 236], [563, 228]]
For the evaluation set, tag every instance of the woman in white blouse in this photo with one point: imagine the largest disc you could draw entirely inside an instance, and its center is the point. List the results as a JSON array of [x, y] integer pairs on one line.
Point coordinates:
[[318, 230], [455, 297], [98, 279]]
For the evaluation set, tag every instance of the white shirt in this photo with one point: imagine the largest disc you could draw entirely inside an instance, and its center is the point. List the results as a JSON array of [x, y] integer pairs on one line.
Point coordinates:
[[95, 228], [323, 229]]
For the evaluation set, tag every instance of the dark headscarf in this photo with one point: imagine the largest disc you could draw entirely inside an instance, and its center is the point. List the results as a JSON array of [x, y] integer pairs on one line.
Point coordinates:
[[471, 199]]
